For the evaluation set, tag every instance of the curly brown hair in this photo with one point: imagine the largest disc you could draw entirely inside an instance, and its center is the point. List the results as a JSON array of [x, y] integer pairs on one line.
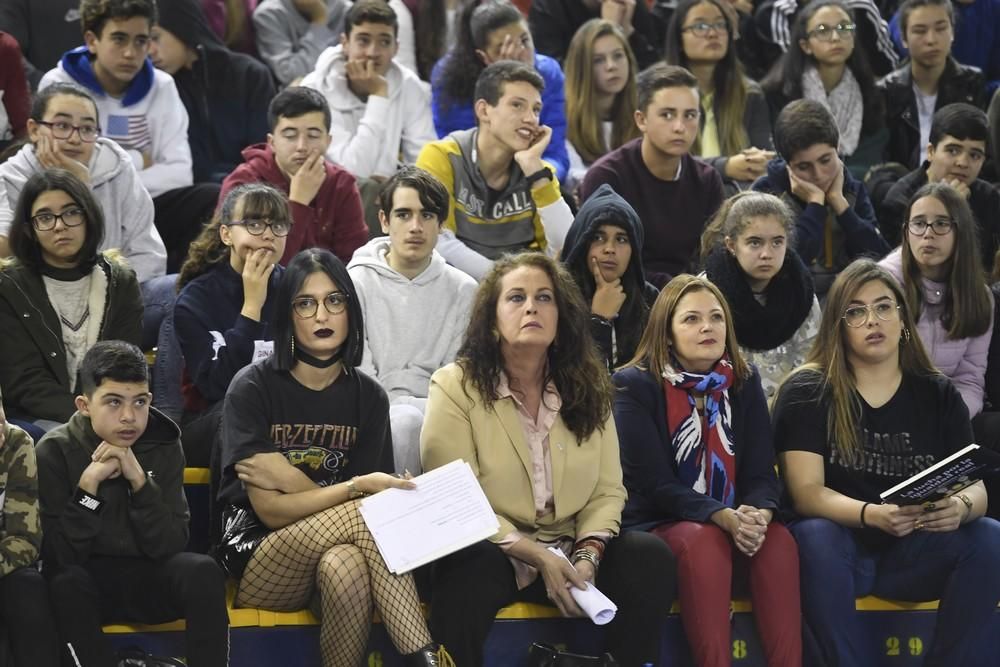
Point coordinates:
[[208, 250], [574, 365]]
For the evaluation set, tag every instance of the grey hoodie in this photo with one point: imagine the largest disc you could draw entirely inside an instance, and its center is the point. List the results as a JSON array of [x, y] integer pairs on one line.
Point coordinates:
[[412, 327], [128, 208]]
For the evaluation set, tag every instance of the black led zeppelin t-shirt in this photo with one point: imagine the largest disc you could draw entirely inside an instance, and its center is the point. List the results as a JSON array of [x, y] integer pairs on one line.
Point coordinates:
[[924, 422], [330, 435]]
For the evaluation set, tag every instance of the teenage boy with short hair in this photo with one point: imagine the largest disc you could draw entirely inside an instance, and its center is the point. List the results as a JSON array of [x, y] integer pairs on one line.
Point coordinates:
[[929, 80], [292, 33], [834, 218], [115, 519], [324, 199], [674, 193], [504, 198], [141, 110], [955, 155], [379, 108], [402, 281], [225, 93]]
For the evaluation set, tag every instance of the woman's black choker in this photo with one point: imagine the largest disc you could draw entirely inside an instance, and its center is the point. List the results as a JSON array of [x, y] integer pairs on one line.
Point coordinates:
[[315, 362]]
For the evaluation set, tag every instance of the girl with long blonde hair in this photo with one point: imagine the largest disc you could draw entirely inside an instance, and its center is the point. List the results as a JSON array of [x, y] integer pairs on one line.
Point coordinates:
[[600, 94]]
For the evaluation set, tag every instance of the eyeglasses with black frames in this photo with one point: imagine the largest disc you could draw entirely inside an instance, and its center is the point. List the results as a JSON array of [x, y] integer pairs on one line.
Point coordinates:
[[71, 217], [63, 130], [940, 226], [256, 226]]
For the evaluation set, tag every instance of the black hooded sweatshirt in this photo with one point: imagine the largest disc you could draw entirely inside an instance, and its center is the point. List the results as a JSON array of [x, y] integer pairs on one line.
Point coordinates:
[[226, 94], [618, 338]]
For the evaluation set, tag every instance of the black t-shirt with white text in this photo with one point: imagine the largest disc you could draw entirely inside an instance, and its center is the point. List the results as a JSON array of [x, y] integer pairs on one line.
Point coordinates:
[[330, 435], [924, 422]]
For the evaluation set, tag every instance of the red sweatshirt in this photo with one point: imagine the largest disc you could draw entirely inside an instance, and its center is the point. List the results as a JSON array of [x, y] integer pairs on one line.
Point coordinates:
[[16, 96], [333, 220]]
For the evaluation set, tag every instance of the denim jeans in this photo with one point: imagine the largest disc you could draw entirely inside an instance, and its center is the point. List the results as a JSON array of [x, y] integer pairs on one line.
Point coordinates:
[[960, 568]]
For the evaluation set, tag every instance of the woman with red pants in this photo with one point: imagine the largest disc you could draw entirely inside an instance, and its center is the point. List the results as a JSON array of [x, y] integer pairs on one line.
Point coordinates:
[[698, 460]]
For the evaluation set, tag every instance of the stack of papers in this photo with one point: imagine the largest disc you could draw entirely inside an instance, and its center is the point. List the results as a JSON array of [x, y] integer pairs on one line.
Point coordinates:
[[447, 511]]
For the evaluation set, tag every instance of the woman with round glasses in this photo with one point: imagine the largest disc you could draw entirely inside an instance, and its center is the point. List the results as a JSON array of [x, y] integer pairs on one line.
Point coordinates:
[[225, 308], [937, 263], [825, 64], [735, 133], [58, 296], [865, 412], [304, 436]]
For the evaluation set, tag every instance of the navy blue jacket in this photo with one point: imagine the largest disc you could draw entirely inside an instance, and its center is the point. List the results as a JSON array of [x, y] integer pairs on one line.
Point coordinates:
[[855, 235], [218, 341], [225, 93], [655, 495]]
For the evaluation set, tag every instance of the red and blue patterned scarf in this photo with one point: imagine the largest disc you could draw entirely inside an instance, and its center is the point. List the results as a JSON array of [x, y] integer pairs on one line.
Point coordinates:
[[704, 457]]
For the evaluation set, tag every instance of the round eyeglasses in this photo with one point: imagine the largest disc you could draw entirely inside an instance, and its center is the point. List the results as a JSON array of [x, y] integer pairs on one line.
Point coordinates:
[[857, 316], [71, 217], [63, 130], [825, 33], [256, 226], [305, 307], [940, 226]]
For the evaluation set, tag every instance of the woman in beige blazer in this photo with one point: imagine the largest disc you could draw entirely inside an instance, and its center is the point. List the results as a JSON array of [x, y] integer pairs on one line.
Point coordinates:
[[528, 406]]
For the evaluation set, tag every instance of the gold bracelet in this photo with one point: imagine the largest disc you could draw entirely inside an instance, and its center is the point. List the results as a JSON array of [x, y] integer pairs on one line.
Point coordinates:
[[587, 555]]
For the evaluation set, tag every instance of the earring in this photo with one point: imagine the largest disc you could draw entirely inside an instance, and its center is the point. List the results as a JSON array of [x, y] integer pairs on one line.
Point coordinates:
[[496, 336], [905, 338], [293, 346]]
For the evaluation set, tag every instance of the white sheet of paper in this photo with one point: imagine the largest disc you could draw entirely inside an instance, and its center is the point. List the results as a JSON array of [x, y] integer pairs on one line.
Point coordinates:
[[447, 511], [593, 602]]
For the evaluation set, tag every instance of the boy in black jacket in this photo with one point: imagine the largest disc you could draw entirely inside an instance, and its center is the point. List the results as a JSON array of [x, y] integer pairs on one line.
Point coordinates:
[[115, 519]]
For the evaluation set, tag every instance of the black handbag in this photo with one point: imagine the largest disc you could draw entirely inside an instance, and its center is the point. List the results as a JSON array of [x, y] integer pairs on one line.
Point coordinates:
[[543, 655]]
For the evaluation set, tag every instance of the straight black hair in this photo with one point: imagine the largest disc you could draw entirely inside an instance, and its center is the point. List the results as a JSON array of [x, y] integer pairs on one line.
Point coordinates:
[[960, 120], [305, 263], [115, 360], [295, 102], [40, 104], [24, 239], [433, 196]]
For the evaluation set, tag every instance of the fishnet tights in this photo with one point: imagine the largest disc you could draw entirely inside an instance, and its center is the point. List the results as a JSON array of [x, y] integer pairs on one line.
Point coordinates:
[[334, 551]]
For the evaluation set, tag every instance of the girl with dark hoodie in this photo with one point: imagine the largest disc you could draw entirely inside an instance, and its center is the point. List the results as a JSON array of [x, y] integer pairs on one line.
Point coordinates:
[[603, 252], [225, 93], [748, 255]]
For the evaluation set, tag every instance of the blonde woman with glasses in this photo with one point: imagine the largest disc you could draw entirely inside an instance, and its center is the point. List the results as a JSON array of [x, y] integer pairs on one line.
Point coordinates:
[[865, 412]]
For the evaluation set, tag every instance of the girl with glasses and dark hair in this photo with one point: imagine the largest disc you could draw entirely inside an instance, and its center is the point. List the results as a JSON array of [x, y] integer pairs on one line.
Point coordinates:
[[58, 296], [865, 412], [938, 265], [735, 131], [825, 62], [304, 436], [224, 312]]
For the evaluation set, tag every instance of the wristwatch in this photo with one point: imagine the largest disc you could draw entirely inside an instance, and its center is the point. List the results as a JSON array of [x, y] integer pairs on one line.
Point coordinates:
[[968, 503]]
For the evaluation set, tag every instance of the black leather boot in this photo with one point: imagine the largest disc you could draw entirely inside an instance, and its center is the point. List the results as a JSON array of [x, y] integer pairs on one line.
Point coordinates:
[[432, 655]]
